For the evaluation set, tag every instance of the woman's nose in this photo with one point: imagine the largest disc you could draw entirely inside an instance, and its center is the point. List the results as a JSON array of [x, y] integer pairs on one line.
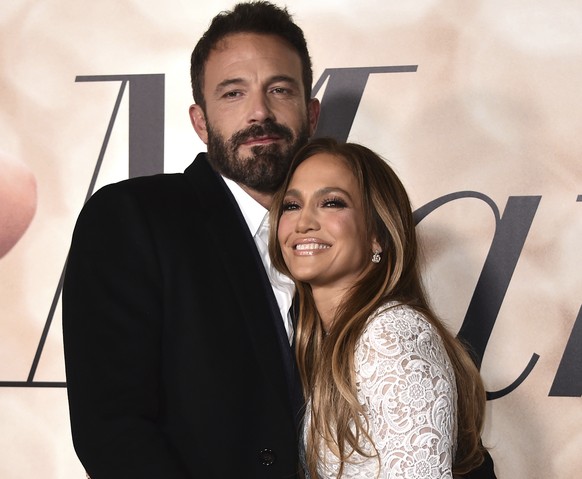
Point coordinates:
[[307, 221]]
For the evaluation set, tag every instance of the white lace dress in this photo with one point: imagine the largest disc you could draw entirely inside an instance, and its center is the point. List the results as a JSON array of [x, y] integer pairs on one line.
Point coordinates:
[[407, 386]]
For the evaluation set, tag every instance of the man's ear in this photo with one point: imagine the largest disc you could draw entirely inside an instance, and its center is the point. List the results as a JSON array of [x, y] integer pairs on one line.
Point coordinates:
[[198, 120], [313, 108]]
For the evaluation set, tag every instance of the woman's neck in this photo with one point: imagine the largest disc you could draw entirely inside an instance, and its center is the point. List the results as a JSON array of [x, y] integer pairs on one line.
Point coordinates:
[[327, 301]]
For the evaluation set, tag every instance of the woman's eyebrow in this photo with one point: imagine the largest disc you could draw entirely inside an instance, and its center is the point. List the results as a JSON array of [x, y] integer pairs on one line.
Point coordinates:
[[320, 192]]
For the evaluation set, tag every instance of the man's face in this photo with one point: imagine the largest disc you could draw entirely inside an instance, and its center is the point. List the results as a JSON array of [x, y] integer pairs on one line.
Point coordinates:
[[255, 117]]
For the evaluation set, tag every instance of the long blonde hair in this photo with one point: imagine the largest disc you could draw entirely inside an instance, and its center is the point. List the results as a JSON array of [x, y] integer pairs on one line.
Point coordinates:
[[326, 363]]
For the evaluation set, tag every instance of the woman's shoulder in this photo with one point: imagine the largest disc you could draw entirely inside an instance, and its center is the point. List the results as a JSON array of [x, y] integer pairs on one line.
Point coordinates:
[[398, 317], [396, 327]]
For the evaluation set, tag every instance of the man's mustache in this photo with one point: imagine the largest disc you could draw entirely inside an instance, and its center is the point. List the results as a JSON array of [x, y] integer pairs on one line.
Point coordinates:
[[264, 129]]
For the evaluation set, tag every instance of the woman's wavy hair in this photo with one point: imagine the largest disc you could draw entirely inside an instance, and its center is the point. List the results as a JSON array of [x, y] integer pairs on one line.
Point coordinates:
[[326, 363]]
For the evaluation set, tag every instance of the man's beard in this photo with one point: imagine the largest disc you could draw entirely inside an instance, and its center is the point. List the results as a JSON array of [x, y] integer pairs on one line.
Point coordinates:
[[267, 166]]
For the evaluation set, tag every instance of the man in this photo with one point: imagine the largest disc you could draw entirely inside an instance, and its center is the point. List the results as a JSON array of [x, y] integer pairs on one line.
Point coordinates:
[[177, 348]]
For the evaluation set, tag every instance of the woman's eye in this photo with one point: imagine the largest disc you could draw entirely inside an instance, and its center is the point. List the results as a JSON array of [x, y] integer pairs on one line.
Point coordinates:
[[290, 206], [334, 203]]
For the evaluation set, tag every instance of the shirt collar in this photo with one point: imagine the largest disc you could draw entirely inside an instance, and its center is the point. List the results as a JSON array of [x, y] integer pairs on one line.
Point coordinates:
[[253, 212]]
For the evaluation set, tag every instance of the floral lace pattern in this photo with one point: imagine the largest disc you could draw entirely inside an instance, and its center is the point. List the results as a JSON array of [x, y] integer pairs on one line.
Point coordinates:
[[407, 386]]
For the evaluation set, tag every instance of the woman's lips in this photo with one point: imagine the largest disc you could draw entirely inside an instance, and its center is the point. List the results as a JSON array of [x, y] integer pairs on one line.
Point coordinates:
[[310, 246]]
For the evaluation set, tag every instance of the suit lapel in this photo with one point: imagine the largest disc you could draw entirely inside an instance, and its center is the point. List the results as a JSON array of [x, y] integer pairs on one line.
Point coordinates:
[[245, 275]]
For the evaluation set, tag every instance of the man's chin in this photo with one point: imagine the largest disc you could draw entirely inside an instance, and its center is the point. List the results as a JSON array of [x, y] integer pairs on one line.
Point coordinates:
[[260, 154]]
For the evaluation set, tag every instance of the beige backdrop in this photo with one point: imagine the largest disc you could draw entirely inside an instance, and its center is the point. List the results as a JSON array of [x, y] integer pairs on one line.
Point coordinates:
[[494, 107]]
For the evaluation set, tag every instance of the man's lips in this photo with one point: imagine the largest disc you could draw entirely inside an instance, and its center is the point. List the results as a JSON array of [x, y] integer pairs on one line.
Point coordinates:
[[261, 140]]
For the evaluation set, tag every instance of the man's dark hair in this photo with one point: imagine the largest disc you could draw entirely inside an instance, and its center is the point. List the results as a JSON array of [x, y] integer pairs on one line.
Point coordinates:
[[250, 17]]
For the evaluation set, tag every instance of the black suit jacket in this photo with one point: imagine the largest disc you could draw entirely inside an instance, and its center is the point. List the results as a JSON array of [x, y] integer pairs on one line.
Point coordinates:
[[175, 366]]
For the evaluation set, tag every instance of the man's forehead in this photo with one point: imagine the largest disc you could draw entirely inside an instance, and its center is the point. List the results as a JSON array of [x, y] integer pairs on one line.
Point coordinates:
[[253, 42], [241, 54]]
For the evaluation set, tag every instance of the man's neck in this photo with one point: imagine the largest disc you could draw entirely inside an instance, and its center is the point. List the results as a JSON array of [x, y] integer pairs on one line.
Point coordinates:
[[264, 199]]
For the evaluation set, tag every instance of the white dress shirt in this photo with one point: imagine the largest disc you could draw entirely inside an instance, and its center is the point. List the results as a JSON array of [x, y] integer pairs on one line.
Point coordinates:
[[257, 219]]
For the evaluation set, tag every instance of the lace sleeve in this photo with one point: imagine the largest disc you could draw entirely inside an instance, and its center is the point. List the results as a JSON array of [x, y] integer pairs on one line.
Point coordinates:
[[407, 384]]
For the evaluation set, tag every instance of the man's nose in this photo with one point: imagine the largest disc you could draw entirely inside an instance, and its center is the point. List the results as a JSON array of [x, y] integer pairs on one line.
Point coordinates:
[[260, 108]]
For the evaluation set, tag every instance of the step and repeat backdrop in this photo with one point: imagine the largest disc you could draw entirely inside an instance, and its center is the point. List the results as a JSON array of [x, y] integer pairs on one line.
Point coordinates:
[[476, 104]]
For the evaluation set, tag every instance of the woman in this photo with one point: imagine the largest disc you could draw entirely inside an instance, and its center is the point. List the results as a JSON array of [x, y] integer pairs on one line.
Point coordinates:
[[390, 392]]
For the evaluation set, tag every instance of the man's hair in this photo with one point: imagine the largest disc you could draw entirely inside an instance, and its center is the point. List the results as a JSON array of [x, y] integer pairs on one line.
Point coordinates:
[[250, 17]]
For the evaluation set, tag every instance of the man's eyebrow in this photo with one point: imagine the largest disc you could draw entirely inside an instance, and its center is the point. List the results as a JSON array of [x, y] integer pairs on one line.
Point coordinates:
[[283, 78], [227, 83]]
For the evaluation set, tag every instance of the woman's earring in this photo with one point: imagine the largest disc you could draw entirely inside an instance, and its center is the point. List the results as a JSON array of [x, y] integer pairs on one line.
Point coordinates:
[[376, 257]]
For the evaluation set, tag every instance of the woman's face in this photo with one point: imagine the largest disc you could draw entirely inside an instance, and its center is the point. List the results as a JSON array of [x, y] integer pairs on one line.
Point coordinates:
[[322, 230]]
